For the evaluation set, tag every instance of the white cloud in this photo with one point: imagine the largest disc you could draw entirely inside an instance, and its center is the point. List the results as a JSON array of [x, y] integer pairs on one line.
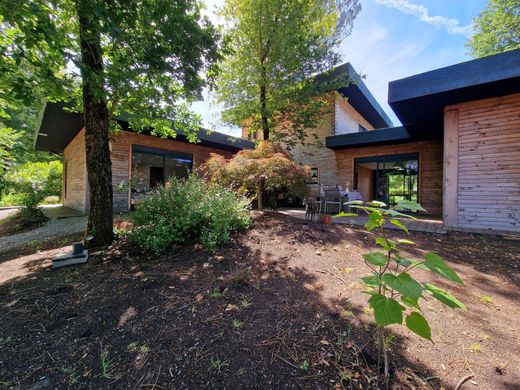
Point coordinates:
[[376, 52], [452, 26]]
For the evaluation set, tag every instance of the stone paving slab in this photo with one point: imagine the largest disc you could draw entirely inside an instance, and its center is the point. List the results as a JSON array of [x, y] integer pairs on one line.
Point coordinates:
[[429, 225]]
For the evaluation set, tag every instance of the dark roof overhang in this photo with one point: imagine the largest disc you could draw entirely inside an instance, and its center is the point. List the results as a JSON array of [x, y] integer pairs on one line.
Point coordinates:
[[359, 96], [58, 127], [419, 101], [388, 136]]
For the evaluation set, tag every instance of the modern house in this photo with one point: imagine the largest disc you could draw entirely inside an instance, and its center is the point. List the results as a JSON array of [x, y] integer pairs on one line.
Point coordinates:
[[140, 158], [457, 152]]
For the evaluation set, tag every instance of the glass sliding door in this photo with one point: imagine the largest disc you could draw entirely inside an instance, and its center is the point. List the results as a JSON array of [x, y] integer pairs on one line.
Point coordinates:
[[389, 179], [155, 167]]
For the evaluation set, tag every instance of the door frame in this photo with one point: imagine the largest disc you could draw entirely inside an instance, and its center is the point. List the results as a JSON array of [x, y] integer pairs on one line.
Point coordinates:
[[390, 157]]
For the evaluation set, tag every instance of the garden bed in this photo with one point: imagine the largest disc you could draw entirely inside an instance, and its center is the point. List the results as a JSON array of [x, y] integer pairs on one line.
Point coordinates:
[[278, 307]]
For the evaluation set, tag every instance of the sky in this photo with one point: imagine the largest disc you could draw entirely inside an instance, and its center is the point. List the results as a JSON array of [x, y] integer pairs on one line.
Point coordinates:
[[391, 39]]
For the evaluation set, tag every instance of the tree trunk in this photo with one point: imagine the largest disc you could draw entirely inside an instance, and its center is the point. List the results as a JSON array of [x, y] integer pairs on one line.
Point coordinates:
[[260, 194], [99, 166], [263, 104]]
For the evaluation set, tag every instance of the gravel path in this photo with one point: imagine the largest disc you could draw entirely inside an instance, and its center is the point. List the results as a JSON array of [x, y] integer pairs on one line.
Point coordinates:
[[53, 228]]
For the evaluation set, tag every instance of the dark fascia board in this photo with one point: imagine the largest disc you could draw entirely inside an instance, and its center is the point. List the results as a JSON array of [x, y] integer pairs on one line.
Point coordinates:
[[59, 127], [466, 74], [419, 101], [358, 95], [388, 136]]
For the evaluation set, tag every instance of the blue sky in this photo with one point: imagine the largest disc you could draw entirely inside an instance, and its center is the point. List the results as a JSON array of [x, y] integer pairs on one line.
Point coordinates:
[[392, 39]]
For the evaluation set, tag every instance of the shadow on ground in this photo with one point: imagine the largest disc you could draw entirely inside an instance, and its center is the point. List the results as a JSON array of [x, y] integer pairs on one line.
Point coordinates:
[[266, 311]]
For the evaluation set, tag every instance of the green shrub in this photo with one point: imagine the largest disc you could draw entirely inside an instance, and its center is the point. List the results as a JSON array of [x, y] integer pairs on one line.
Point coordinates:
[[11, 199], [186, 210], [32, 182]]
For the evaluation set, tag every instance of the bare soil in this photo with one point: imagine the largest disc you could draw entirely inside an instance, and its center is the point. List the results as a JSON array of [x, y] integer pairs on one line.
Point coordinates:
[[279, 307]]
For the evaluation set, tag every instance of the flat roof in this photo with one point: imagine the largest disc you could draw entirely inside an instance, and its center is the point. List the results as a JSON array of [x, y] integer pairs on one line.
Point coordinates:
[[58, 127], [419, 101], [359, 96], [388, 136]]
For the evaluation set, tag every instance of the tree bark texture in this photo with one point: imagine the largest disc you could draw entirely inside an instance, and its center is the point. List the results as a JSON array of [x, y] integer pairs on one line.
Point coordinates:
[[99, 166], [263, 104]]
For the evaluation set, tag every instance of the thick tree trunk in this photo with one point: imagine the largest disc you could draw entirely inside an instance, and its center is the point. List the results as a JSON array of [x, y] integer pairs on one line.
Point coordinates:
[[99, 166], [260, 194], [263, 104]]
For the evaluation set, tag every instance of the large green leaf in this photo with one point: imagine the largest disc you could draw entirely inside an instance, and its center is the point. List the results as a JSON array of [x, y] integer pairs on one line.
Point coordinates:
[[385, 243], [410, 301], [375, 220], [443, 296], [371, 281], [399, 224], [418, 324], [376, 258], [435, 263], [410, 205], [343, 214], [376, 203], [354, 202], [409, 262], [386, 310], [404, 283], [395, 213]]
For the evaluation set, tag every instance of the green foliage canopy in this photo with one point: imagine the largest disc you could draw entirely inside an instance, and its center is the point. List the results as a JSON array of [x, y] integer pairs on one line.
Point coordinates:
[[497, 28], [36, 180], [269, 166], [275, 49], [152, 52]]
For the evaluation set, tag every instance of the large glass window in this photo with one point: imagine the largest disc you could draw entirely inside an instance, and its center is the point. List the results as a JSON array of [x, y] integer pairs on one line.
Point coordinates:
[[390, 179], [155, 167]]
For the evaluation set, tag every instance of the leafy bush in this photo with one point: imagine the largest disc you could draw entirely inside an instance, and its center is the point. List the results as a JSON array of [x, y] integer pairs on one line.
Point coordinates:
[[188, 209], [268, 169], [11, 199], [32, 182]]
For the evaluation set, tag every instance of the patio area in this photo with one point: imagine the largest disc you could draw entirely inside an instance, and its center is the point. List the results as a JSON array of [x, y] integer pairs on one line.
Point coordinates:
[[423, 224]]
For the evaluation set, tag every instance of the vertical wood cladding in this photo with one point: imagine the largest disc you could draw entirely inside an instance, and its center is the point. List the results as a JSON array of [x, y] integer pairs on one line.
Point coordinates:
[[489, 163], [74, 159]]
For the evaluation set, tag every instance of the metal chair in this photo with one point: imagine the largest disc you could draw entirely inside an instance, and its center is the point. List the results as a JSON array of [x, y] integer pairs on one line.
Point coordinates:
[[333, 198], [312, 203]]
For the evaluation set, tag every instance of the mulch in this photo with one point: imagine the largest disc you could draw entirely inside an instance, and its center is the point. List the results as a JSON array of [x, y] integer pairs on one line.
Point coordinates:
[[279, 307]]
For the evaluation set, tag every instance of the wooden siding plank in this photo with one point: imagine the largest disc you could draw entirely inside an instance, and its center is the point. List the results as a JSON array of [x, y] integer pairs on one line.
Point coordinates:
[[489, 164], [451, 168]]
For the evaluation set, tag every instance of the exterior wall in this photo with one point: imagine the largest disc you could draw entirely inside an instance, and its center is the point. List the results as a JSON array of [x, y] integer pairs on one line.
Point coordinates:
[[122, 160], [317, 155], [430, 168], [483, 139], [339, 117], [347, 119], [74, 184], [74, 157]]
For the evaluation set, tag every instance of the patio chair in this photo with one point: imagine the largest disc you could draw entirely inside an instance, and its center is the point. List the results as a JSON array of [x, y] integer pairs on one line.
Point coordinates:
[[353, 195], [333, 198], [312, 203]]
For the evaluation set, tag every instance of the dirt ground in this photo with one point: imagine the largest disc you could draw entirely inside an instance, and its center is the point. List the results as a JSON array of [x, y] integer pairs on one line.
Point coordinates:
[[279, 307]]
